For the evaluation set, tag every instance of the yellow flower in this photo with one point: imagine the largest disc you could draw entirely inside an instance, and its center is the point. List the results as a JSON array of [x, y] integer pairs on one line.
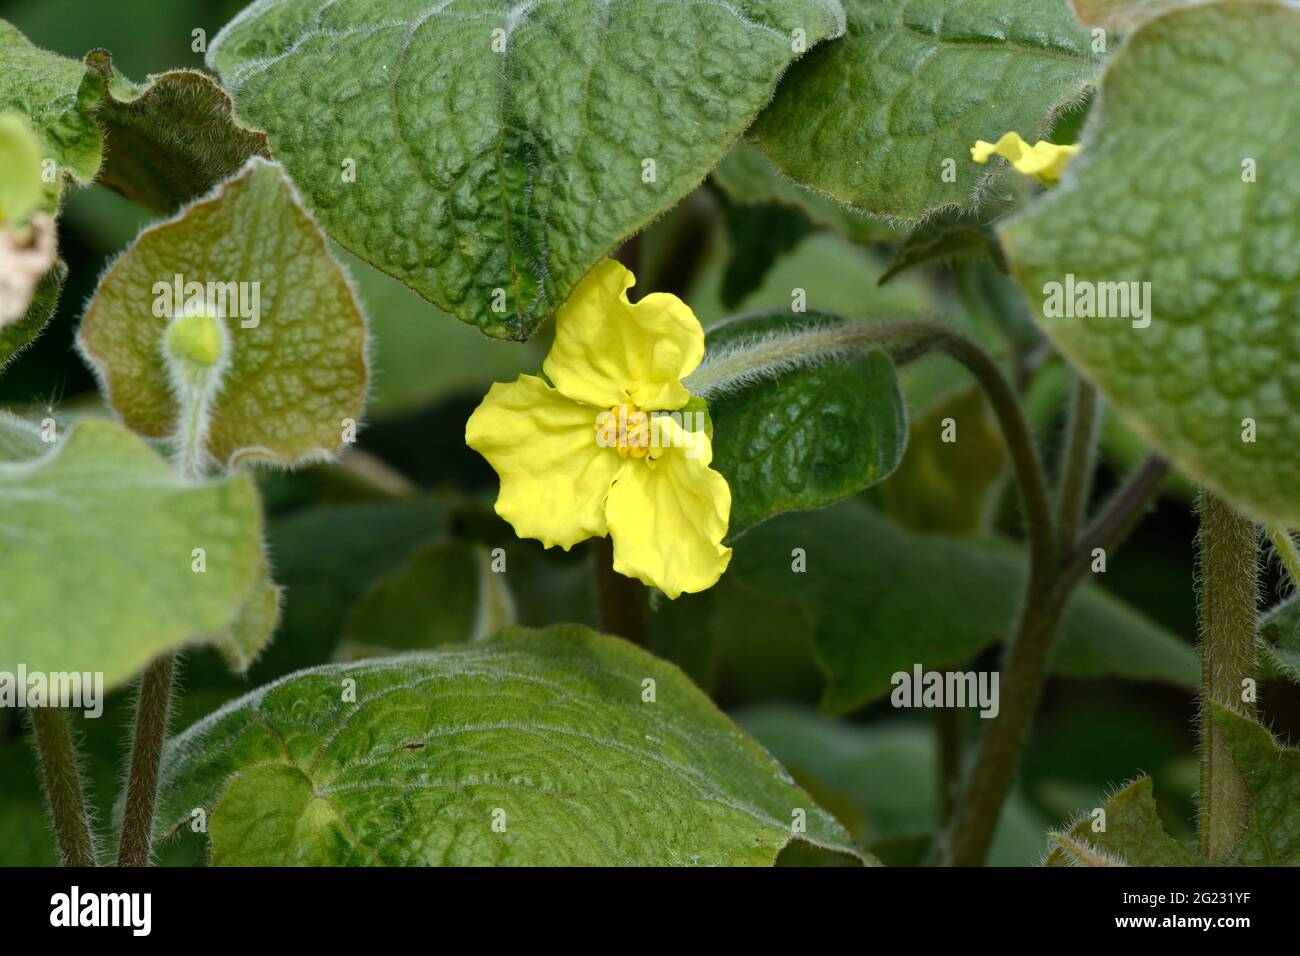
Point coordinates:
[[1044, 160], [583, 455]]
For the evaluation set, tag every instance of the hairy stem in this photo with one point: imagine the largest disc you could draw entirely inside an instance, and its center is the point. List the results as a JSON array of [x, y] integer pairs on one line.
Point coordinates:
[[153, 708], [762, 356], [1229, 558], [60, 763]]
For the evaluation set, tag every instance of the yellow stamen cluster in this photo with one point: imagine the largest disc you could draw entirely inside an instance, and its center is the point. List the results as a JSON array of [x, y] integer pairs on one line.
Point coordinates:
[[631, 430]]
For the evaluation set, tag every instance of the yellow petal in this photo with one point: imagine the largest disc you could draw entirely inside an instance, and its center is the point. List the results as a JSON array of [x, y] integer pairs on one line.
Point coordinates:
[[608, 350], [669, 513], [554, 476], [1044, 160]]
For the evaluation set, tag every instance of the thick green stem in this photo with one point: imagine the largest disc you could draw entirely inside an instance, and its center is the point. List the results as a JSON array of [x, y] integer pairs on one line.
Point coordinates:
[[153, 708], [1229, 556], [74, 833]]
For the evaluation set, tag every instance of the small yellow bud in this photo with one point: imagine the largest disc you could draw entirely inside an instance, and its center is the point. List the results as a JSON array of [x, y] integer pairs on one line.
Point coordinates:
[[198, 339]]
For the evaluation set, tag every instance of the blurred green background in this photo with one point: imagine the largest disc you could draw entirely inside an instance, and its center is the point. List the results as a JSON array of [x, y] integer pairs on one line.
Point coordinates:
[[334, 539]]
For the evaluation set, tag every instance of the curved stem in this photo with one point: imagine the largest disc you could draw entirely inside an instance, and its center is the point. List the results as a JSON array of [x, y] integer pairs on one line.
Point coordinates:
[[152, 711], [1287, 552], [61, 776], [744, 362], [1078, 463]]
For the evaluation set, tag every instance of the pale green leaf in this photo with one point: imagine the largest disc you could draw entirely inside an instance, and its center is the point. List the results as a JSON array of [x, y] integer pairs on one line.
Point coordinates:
[[99, 540], [1192, 99], [546, 733], [884, 119], [504, 146], [1272, 775], [296, 377]]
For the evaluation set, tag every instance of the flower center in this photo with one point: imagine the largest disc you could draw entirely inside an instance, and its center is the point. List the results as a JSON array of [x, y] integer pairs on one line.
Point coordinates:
[[628, 429]]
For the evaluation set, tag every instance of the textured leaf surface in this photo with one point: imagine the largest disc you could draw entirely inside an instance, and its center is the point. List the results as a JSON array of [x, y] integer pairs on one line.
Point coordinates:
[[170, 140], [98, 549], [293, 379], [809, 437], [160, 144], [44, 86], [1272, 775], [549, 728], [1120, 14], [1223, 344], [1133, 835], [871, 119], [479, 170], [886, 599]]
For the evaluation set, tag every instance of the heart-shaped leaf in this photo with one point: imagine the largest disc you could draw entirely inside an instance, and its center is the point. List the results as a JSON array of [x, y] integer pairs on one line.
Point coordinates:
[[103, 551], [488, 154], [297, 373], [809, 437], [1199, 346], [560, 746], [885, 118]]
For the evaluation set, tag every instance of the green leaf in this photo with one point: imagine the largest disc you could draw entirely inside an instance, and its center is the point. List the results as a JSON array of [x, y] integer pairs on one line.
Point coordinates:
[[951, 236], [170, 140], [21, 190], [445, 593], [47, 88], [296, 376], [45, 298], [877, 119], [1216, 251], [98, 562], [886, 599], [544, 733], [882, 781], [160, 144], [1133, 835], [809, 437], [1279, 632], [1273, 778], [747, 177], [518, 170]]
